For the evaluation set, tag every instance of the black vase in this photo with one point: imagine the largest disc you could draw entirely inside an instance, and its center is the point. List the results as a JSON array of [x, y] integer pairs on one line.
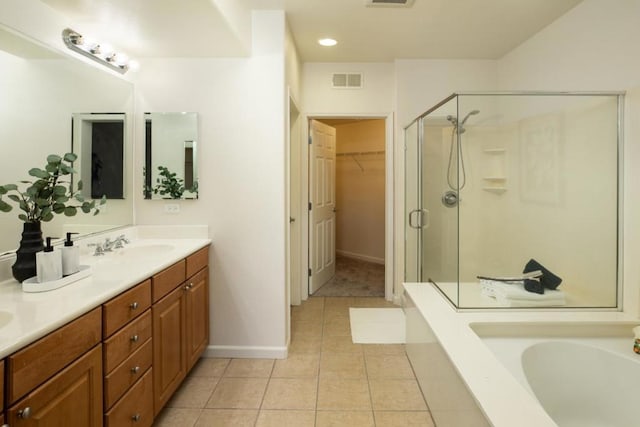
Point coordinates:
[[25, 266]]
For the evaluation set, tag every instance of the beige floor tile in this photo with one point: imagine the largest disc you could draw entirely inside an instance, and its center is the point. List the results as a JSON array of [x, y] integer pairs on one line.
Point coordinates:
[[291, 393], [227, 418], [392, 349], [388, 366], [343, 395], [303, 344], [172, 417], [345, 419], [249, 368], [403, 419], [286, 418], [342, 365], [372, 302], [340, 344], [337, 326], [297, 365], [460, 419], [338, 302], [314, 302], [396, 395], [238, 393], [193, 393], [306, 329], [333, 311], [209, 367], [306, 313]]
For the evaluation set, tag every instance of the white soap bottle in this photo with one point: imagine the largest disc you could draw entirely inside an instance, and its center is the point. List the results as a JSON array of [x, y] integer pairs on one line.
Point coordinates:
[[70, 257], [48, 264]]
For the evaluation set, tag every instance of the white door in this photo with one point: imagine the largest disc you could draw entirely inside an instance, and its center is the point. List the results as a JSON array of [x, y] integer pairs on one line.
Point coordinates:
[[322, 195], [295, 278]]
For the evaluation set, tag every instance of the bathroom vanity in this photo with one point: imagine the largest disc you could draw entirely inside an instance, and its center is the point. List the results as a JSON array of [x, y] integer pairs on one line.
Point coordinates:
[[110, 349]]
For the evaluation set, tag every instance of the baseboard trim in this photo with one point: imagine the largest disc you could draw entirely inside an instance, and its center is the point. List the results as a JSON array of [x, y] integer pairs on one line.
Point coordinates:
[[248, 352], [360, 257]]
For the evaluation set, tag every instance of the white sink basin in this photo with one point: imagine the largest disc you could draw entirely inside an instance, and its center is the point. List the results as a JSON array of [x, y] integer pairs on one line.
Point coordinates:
[[145, 251]]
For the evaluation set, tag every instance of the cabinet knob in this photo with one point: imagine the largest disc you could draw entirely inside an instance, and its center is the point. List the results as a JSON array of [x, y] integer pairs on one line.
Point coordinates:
[[24, 413], [135, 369], [135, 338], [189, 286], [136, 417], [133, 305]]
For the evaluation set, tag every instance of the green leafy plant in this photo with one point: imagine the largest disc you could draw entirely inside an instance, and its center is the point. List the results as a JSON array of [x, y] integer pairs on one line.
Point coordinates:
[[50, 194], [168, 184]]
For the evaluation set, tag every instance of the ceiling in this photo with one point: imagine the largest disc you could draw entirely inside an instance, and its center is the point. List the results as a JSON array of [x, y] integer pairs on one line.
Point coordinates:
[[443, 29]]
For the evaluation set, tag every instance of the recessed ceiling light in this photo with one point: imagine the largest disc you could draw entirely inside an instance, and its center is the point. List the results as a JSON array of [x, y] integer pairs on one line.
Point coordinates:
[[328, 42]]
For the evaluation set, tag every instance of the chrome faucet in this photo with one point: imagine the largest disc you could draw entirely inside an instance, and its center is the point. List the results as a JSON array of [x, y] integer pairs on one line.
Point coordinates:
[[116, 243]]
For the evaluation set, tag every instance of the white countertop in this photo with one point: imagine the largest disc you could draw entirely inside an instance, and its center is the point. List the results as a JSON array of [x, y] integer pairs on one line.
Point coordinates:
[[504, 401], [32, 315]]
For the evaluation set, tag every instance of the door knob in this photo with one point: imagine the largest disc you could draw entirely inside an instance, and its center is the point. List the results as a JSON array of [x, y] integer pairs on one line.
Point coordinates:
[[291, 219]]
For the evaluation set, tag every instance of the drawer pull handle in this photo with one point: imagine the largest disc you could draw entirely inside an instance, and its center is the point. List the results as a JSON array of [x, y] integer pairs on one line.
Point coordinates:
[[135, 338], [136, 417], [24, 413], [133, 305], [135, 369]]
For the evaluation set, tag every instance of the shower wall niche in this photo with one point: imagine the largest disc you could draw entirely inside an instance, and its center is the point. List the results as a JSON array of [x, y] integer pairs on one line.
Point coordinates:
[[494, 180]]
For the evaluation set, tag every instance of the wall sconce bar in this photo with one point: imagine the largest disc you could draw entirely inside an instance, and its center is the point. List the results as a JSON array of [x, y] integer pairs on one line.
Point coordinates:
[[115, 61]]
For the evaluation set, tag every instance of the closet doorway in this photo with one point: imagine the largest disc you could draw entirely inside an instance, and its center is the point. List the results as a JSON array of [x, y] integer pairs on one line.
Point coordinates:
[[359, 212]]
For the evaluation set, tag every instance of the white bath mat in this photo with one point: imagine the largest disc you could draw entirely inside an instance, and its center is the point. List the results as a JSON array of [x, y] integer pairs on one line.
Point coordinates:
[[377, 325]]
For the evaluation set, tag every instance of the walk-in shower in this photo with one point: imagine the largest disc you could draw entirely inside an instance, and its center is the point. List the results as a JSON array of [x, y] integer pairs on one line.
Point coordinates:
[[522, 182]]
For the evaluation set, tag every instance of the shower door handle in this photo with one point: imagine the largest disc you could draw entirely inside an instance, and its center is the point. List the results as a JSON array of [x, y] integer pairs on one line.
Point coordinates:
[[418, 218]]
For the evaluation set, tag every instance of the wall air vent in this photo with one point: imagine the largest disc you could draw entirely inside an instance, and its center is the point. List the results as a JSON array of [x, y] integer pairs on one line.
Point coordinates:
[[389, 3], [347, 80]]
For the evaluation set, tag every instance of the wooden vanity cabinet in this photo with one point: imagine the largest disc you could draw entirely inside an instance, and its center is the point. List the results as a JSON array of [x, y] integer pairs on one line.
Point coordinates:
[[58, 377], [180, 323], [128, 347]]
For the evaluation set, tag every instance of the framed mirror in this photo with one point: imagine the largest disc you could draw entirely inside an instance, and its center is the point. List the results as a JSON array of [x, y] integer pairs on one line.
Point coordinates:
[[171, 154], [42, 89]]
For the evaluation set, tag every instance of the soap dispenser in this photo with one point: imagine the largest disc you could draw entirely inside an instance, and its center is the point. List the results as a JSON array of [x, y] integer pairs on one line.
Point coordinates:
[[70, 257], [48, 263]]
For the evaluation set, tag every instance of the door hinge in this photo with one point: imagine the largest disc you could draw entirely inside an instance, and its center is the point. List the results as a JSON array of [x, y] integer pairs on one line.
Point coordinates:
[[310, 140], [309, 272], [310, 205]]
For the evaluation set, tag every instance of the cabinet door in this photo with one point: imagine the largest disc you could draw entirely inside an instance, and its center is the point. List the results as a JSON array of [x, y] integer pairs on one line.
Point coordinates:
[[197, 321], [169, 356], [72, 398]]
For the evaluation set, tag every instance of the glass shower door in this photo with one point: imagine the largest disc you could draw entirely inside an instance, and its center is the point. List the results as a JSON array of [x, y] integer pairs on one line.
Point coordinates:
[[412, 234]]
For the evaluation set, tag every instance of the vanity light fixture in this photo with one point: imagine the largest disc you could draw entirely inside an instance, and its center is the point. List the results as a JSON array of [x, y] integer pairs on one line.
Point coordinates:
[[102, 53], [327, 42]]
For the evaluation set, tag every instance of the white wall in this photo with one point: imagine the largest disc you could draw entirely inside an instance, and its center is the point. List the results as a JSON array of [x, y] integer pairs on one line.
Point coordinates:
[[592, 48], [241, 110], [360, 188]]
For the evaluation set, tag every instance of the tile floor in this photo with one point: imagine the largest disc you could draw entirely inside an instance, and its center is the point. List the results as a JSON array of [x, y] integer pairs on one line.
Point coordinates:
[[326, 380], [354, 278]]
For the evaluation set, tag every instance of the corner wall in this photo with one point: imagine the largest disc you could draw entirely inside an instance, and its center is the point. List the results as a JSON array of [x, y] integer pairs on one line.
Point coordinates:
[[592, 48], [240, 103]]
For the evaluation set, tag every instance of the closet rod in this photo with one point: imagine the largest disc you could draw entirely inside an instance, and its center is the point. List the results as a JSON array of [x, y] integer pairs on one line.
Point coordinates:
[[359, 153]]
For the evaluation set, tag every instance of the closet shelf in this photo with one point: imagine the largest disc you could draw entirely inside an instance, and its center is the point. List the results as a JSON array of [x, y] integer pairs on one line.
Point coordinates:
[[495, 178], [359, 153], [494, 150]]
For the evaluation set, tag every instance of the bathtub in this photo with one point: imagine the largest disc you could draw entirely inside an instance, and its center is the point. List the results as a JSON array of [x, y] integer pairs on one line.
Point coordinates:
[[534, 368]]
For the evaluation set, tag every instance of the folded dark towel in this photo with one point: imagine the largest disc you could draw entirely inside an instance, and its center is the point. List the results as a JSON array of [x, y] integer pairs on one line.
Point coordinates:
[[533, 285], [548, 279]]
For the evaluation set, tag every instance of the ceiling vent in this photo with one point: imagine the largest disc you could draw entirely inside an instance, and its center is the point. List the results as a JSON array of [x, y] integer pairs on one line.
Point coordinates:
[[347, 80], [389, 3]]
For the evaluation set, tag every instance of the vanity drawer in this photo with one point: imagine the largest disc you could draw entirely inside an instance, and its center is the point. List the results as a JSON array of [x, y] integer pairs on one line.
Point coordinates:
[[52, 353], [127, 306], [124, 342], [167, 280], [197, 261], [135, 409], [127, 373]]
